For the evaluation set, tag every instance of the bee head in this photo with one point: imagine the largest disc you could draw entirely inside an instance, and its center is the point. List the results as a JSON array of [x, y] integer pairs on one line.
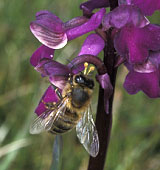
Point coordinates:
[[82, 80]]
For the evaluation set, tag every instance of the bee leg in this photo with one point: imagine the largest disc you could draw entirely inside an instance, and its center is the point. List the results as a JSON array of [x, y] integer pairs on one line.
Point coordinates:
[[56, 89], [48, 105], [51, 105]]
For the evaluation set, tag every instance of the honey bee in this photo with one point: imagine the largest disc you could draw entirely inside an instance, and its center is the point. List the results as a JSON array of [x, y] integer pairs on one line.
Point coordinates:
[[72, 110]]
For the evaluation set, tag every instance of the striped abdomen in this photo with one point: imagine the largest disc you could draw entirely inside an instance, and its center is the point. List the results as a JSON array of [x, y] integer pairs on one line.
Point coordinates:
[[65, 122]]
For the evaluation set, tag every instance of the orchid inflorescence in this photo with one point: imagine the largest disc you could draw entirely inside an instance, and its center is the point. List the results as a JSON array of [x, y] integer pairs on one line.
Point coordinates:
[[136, 41]]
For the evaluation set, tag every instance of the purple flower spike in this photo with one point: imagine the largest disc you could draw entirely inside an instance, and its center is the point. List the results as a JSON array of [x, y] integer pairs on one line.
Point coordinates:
[[49, 96], [93, 45], [48, 29], [90, 25], [124, 15], [40, 53], [105, 83], [149, 83], [135, 43], [90, 5]]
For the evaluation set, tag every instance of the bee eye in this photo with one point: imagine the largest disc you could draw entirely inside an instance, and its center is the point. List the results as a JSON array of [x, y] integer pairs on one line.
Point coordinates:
[[79, 79]]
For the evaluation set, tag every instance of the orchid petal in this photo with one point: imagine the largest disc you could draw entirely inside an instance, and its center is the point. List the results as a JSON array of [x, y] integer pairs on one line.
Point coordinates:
[[146, 82], [90, 25], [105, 83], [135, 43], [124, 15], [147, 6], [93, 45], [49, 67], [40, 53], [49, 20], [59, 81], [48, 29], [75, 22], [146, 67], [90, 5]]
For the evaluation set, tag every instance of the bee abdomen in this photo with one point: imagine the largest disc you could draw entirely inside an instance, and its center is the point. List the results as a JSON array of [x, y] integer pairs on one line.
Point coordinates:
[[64, 123]]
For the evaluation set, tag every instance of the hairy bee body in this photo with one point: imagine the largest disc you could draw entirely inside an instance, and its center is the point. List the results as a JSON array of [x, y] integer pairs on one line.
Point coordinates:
[[78, 100], [72, 110]]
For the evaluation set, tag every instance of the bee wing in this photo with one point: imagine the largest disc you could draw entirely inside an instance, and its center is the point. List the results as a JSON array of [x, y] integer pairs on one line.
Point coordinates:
[[87, 133], [45, 121], [39, 124]]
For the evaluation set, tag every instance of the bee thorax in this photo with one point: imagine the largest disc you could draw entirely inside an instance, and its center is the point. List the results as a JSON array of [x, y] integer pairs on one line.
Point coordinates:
[[79, 97]]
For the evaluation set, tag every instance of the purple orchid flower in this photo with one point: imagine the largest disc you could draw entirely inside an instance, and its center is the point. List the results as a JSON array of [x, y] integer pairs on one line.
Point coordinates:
[[137, 42], [135, 39], [134, 35], [53, 33], [58, 73], [145, 77]]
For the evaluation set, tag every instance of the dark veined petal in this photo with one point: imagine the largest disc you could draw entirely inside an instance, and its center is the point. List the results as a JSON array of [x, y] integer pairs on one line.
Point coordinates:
[[149, 83], [90, 5], [49, 20], [124, 15], [93, 45], [40, 53], [88, 26], [105, 83], [48, 67], [47, 37], [49, 96], [48, 29], [135, 43]]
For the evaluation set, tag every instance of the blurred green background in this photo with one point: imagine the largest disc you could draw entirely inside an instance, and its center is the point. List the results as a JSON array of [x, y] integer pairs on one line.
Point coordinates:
[[135, 140]]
